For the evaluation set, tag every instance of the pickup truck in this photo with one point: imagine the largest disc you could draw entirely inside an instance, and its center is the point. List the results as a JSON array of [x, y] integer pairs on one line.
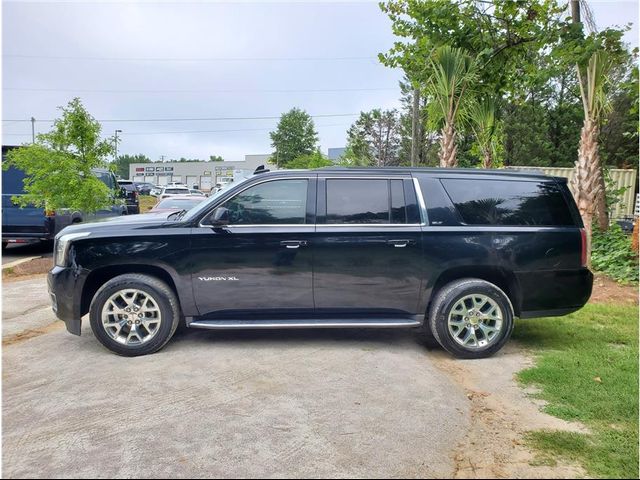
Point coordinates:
[[31, 224], [454, 253]]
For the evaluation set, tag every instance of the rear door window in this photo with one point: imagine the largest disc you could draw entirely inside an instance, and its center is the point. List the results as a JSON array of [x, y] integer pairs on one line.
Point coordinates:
[[512, 202], [363, 201]]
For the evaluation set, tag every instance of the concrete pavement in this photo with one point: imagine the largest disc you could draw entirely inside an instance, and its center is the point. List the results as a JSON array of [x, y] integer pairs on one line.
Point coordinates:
[[321, 403]]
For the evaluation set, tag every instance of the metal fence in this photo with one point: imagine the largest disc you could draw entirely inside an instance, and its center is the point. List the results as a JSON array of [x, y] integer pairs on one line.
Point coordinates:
[[621, 178]]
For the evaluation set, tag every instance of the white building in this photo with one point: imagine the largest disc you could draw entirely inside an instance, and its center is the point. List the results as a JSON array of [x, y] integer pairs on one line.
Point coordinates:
[[203, 175]]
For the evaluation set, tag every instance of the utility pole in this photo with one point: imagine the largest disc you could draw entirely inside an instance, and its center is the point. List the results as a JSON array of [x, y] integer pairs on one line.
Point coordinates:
[[415, 128], [115, 157], [33, 130], [575, 11], [162, 158]]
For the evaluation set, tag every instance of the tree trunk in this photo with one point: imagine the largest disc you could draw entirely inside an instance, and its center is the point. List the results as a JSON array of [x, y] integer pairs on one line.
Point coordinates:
[[634, 238], [601, 203], [586, 181], [448, 147], [487, 160]]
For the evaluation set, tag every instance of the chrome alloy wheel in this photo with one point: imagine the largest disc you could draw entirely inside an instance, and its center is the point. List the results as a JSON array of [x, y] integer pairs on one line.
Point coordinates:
[[131, 317], [475, 321]]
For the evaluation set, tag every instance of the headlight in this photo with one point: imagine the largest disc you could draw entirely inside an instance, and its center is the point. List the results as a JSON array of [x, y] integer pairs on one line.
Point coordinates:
[[61, 249]]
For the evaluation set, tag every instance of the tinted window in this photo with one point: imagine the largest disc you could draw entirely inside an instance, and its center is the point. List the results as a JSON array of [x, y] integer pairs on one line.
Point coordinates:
[[398, 208], [270, 203], [12, 181], [499, 202], [358, 201], [181, 191]]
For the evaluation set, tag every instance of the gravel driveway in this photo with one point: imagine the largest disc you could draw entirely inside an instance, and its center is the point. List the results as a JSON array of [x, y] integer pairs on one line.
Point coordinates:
[[222, 404]]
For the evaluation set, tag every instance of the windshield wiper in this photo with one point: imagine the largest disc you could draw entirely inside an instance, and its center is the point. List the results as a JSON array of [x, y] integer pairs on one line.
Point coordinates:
[[179, 214]]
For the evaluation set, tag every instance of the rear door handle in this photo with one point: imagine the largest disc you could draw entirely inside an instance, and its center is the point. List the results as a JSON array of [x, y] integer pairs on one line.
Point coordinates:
[[399, 243], [293, 243]]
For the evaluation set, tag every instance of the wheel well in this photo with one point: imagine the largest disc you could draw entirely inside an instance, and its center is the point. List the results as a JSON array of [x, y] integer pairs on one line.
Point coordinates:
[[503, 279], [99, 277]]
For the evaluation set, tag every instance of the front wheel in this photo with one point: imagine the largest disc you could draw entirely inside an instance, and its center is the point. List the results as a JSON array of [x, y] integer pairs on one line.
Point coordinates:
[[471, 318], [134, 314]]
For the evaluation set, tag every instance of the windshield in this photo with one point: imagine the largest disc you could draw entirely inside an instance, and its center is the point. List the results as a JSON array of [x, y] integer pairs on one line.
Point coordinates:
[[178, 203], [195, 211]]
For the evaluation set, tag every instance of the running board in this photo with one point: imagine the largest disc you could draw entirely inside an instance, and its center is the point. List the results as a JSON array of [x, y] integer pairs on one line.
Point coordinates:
[[306, 323]]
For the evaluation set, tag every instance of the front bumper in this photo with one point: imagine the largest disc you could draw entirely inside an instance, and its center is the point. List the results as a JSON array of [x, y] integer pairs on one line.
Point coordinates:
[[65, 291]]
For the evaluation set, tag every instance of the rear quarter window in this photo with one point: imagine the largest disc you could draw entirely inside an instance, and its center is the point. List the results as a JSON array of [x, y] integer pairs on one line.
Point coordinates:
[[509, 202]]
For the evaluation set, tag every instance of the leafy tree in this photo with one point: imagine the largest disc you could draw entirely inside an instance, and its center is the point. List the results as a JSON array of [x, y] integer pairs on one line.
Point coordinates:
[[374, 139], [122, 163], [58, 165], [453, 73], [294, 137], [312, 160], [588, 177], [487, 130], [428, 139], [216, 158]]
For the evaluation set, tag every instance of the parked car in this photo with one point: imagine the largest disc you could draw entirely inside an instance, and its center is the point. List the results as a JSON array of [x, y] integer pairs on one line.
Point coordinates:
[[196, 192], [156, 191], [176, 203], [144, 188], [169, 191], [32, 224], [131, 196], [455, 253]]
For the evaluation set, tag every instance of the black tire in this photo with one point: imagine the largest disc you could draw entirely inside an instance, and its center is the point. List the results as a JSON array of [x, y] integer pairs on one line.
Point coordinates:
[[445, 300], [161, 293]]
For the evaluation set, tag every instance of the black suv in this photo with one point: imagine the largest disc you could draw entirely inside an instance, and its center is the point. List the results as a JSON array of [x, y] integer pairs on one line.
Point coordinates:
[[456, 253]]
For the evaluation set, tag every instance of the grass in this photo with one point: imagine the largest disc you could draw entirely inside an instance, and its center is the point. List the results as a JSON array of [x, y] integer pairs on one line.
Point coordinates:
[[147, 202], [587, 370]]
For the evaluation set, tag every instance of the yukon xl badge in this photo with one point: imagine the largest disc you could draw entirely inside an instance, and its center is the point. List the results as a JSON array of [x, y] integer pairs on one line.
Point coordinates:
[[218, 279]]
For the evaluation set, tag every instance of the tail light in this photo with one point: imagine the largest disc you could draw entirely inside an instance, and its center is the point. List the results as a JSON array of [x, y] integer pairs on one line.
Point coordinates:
[[583, 247]]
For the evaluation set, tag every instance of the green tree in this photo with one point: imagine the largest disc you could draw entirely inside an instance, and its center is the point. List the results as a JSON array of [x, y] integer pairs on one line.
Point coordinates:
[[311, 160], [58, 166], [294, 137], [122, 163], [453, 74], [374, 139], [216, 158], [487, 129]]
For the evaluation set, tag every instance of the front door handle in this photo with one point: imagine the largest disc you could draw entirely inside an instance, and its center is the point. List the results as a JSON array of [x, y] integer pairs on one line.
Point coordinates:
[[293, 243], [399, 243]]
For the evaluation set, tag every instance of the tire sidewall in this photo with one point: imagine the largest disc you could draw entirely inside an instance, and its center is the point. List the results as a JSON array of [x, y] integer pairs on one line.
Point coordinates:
[[439, 320], [167, 311]]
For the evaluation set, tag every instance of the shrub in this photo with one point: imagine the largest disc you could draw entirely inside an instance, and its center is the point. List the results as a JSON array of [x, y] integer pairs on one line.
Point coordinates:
[[612, 254]]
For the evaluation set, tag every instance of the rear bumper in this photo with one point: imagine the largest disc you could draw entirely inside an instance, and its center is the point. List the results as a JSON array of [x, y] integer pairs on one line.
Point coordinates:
[[554, 292], [65, 287]]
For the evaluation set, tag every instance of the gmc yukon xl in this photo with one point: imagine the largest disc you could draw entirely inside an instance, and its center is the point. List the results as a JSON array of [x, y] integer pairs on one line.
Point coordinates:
[[455, 253]]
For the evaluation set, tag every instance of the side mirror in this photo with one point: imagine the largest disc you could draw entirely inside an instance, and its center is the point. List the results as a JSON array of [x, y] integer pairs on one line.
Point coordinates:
[[220, 216]]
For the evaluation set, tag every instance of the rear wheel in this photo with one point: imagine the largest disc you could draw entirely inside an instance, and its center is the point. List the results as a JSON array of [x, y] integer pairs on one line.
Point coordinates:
[[134, 314], [471, 318]]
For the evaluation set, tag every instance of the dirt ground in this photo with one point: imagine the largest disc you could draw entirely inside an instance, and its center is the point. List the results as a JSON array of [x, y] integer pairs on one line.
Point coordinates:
[[501, 415], [37, 266], [606, 290]]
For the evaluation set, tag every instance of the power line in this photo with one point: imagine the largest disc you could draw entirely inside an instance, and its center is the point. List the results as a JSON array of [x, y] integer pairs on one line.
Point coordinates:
[[212, 119], [193, 59], [206, 131], [320, 90]]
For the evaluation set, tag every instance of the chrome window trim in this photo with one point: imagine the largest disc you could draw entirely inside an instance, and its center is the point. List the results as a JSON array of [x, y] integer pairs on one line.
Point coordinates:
[[252, 184], [416, 184]]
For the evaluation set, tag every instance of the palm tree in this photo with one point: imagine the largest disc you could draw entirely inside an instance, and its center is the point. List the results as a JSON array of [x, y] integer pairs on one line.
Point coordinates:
[[452, 73], [482, 118], [587, 182]]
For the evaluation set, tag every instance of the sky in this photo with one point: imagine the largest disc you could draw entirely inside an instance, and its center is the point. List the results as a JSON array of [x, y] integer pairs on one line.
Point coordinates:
[[216, 66]]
